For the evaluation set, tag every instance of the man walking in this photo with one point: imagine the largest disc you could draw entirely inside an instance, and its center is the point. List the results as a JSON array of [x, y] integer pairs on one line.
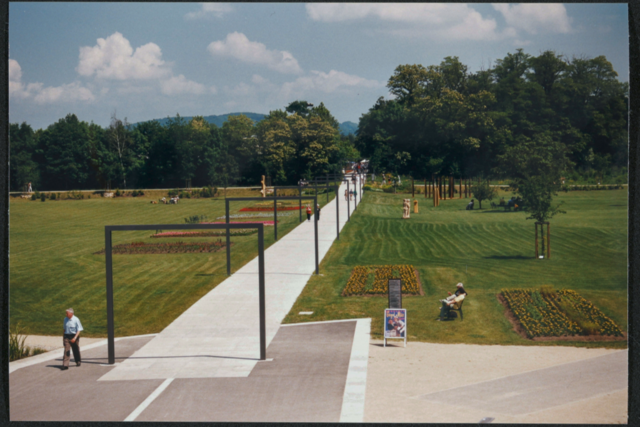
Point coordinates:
[[71, 340]]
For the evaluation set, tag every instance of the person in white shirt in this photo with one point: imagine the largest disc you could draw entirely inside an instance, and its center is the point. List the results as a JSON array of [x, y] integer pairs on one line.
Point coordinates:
[[71, 339]]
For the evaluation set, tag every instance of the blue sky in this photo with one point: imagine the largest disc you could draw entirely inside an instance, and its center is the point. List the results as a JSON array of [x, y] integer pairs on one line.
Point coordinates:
[[153, 60]]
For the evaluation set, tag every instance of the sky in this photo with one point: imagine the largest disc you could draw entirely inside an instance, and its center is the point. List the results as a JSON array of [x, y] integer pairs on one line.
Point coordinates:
[[144, 61]]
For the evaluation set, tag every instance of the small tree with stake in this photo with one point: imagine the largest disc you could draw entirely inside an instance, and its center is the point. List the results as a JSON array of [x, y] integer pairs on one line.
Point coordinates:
[[536, 166], [483, 191]]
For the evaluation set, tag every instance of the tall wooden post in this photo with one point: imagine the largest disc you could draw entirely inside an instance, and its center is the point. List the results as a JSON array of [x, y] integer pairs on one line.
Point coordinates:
[[413, 190], [548, 241], [425, 188], [536, 225], [460, 188]]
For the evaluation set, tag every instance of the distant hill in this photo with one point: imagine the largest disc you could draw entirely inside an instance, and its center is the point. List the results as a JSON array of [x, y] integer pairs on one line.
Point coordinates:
[[216, 120], [346, 128]]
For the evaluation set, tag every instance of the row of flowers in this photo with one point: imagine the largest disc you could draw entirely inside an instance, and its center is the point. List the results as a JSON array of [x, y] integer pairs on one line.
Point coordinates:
[[284, 208], [357, 283], [238, 232], [166, 248], [542, 314], [256, 215], [241, 222]]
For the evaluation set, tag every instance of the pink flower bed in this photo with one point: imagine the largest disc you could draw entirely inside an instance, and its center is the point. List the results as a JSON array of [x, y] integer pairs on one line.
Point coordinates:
[[288, 208], [241, 222]]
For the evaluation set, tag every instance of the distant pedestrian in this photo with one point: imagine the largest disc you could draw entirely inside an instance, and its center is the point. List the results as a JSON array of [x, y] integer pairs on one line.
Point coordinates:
[[318, 211], [308, 213], [30, 189], [355, 194], [71, 339], [346, 195]]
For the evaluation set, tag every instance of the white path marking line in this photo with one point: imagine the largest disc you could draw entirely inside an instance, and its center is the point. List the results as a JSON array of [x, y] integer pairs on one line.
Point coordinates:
[[356, 384], [148, 400]]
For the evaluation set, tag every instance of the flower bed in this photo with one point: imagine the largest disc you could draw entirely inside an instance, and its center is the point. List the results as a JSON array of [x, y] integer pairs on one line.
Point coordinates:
[[259, 209], [373, 280], [555, 314], [255, 215], [241, 222], [238, 232], [166, 248]]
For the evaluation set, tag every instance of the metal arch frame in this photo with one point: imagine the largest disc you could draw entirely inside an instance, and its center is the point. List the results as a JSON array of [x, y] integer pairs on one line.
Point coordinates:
[[108, 229], [344, 179], [300, 188], [275, 230]]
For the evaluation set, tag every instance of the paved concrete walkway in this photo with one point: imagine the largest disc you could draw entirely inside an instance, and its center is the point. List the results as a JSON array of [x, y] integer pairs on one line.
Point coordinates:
[[219, 335]]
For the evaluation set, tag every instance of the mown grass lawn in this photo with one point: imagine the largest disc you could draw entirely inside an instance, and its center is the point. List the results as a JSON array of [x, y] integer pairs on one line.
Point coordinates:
[[53, 265], [487, 250]]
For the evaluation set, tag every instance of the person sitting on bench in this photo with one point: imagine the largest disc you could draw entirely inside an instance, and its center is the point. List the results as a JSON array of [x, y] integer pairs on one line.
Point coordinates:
[[470, 205], [452, 301]]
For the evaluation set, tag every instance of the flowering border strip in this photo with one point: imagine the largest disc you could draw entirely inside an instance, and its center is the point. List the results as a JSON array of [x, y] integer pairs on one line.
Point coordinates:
[[239, 232], [241, 222], [357, 283], [292, 208], [137, 248], [542, 315]]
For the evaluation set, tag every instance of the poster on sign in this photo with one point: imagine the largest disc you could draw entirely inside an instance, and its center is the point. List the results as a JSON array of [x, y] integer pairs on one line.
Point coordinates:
[[395, 324]]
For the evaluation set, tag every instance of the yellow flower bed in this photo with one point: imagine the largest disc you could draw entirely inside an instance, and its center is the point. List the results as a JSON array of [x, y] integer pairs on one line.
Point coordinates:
[[357, 283], [541, 315]]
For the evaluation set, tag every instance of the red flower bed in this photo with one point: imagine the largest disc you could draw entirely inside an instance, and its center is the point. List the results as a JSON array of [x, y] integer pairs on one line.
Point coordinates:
[[234, 232], [241, 222], [288, 208]]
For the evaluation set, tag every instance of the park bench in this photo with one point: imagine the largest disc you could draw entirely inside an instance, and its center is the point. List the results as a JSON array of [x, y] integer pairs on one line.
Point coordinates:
[[457, 309]]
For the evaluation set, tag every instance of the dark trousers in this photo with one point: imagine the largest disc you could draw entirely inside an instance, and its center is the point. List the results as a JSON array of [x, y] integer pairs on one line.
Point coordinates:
[[68, 346], [444, 311], [308, 217]]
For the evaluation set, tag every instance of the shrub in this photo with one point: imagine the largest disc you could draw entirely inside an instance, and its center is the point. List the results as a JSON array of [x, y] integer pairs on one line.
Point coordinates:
[[17, 348], [52, 196], [42, 197], [173, 193], [117, 194], [195, 219], [33, 197]]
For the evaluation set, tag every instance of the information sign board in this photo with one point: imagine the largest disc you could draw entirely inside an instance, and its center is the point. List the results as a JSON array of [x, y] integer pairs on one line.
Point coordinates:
[[395, 293], [395, 324]]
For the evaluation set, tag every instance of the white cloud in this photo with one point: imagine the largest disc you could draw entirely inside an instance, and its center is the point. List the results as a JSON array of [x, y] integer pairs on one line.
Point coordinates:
[[210, 9], [330, 82], [114, 58], [536, 17], [238, 46], [66, 93], [45, 95], [181, 85], [450, 21]]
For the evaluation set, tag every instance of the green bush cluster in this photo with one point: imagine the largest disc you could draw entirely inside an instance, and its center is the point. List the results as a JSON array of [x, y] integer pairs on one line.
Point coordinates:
[[75, 195], [195, 219]]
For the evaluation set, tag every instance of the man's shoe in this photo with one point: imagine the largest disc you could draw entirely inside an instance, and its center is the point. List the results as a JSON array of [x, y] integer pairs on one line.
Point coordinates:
[[78, 363], [64, 368]]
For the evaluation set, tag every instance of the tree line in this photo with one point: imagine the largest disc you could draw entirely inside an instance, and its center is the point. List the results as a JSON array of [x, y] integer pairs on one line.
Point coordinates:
[[445, 120], [299, 142]]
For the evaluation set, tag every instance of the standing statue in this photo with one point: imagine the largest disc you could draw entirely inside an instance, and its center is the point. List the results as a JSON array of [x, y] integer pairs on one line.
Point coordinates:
[[399, 180], [406, 209]]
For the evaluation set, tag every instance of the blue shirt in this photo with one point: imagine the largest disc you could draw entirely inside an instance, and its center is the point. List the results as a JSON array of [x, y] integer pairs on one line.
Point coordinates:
[[72, 326]]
